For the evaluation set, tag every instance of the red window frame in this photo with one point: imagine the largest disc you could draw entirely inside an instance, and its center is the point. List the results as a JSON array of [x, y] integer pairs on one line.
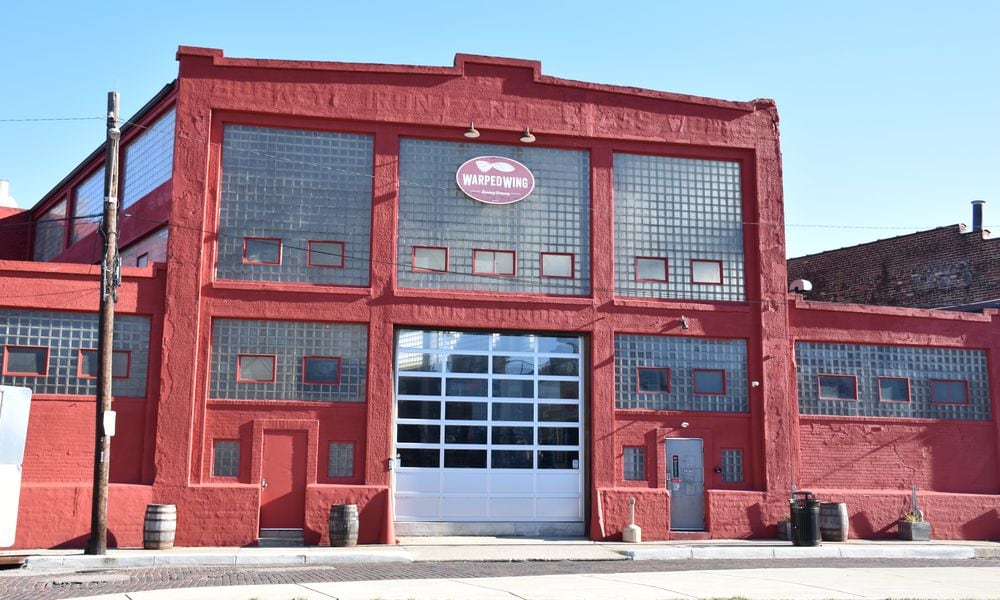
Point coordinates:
[[340, 364], [638, 380], [965, 389], [645, 469], [239, 460], [413, 259], [666, 268], [905, 379], [8, 347], [274, 368], [142, 260], [513, 262], [819, 387], [703, 260], [572, 265], [354, 461], [128, 364], [281, 249], [694, 382], [309, 254]]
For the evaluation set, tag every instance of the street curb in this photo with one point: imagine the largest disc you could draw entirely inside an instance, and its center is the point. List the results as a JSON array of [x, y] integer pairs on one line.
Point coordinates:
[[198, 559], [828, 551]]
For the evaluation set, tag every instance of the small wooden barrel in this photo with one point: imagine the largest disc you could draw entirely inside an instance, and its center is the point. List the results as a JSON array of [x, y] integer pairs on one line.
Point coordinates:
[[344, 525], [159, 527], [833, 524]]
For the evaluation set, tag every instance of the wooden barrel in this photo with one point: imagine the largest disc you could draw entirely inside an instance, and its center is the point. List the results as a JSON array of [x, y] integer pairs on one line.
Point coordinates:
[[833, 524], [344, 525], [159, 527]]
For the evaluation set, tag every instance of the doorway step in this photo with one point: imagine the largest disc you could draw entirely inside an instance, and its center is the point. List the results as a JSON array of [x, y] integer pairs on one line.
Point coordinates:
[[280, 538]]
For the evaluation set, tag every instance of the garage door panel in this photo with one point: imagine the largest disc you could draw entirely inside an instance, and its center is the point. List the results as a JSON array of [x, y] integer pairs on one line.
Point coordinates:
[[512, 483], [464, 481], [464, 507], [417, 507], [558, 508], [511, 507], [559, 483], [428, 481]]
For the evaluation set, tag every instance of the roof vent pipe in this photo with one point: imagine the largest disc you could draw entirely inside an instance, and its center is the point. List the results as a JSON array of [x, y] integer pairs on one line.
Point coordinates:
[[977, 215]]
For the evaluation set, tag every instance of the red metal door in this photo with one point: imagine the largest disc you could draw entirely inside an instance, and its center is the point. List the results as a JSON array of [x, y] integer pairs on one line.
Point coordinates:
[[283, 482]]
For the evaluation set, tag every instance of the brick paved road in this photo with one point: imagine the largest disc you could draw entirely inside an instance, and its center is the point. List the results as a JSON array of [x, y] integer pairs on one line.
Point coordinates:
[[30, 585]]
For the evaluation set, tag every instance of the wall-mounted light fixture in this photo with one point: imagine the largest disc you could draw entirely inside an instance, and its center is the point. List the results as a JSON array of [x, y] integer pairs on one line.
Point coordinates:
[[471, 132], [685, 425], [754, 384], [684, 322], [527, 137]]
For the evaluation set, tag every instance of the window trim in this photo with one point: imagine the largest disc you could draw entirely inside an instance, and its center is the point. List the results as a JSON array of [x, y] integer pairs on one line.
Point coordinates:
[[354, 460], [965, 386], [8, 347], [309, 253], [340, 364], [128, 363], [694, 382], [144, 255], [819, 387], [494, 273], [638, 380], [743, 475], [274, 368], [666, 268], [239, 459], [909, 397], [645, 470], [707, 260], [281, 250], [572, 265], [413, 259]]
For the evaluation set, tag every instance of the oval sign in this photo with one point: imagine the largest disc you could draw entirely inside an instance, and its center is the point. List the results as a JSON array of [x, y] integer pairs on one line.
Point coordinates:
[[495, 180]]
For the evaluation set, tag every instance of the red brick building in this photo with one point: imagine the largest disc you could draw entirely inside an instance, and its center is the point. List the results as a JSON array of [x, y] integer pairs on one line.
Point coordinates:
[[331, 294]]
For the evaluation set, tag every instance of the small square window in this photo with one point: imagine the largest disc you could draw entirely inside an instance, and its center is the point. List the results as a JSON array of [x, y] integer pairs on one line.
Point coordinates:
[[732, 466], [838, 387], [430, 259], [634, 464], [949, 391], [341, 463], [26, 361], [493, 262], [326, 254], [262, 251], [225, 458], [650, 268], [557, 265], [654, 380], [706, 272], [709, 382], [121, 363], [256, 368], [142, 260], [321, 369], [893, 389]]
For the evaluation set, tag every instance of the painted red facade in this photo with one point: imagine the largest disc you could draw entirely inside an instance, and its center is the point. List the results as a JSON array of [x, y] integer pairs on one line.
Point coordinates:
[[163, 451]]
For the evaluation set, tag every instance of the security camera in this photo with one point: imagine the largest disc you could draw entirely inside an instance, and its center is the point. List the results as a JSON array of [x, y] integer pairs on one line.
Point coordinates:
[[801, 285]]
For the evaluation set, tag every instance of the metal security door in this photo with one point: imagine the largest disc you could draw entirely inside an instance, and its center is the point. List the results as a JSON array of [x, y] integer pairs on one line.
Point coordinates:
[[686, 482], [283, 482]]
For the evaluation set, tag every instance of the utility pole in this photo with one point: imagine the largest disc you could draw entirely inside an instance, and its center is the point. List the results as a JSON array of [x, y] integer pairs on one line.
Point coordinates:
[[110, 280]]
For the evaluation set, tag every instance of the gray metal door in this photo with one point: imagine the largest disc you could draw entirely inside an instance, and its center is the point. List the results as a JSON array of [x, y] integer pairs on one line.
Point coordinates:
[[686, 482]]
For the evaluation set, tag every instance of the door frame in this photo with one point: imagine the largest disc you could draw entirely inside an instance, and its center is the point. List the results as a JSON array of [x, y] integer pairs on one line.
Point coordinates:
[[259, 426], [664, 468]]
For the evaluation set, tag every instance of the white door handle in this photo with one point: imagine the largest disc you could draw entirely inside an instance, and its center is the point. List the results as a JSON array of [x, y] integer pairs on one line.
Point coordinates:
[[263, 483]]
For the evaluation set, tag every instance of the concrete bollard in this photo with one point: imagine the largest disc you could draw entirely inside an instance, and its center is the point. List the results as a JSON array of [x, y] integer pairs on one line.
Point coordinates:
[[632, 533]]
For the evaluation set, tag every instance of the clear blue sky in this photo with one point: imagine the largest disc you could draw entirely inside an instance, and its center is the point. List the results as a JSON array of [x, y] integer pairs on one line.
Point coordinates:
[[889, 110]]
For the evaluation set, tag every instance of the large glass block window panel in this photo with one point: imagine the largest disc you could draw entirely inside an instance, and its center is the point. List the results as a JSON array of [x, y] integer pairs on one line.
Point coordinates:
[[225, 458], [149, 160], [634, 464], [684, 210], [152, 248], [88, 206], [54, 352], [297, 186], [50, 233], [694, 366], [305, 356], [341, 460], [434, 213], [732, 466], [893, 381]]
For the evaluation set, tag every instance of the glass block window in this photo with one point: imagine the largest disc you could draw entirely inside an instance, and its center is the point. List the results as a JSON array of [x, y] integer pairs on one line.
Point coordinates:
[[321, 369], [650, 268], [653, 380], [149, 160], [90, 362], [707, 272], [297, 186], [732, 466], [683, 356], [26, 361], [433, 212], [838, 387], [326, 254], [88, 206], [256, 368], [262, 251], [225, 458], [63, 335], [493, 262], [341, 460], [50, 233], [882, 371], [289, 343], [557, 265], [709, 382], [684, 210], [634, 464], [426, 258], [152, 248]]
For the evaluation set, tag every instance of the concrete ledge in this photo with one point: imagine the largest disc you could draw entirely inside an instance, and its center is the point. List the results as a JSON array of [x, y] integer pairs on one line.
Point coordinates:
[[662, 553], [349, 558]]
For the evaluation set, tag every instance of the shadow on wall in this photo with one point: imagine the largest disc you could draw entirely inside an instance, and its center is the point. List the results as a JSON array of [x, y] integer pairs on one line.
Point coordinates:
[[80, 541], [985, 526]]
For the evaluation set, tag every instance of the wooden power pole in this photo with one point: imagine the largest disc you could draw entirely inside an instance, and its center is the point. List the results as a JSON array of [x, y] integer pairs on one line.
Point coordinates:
[[110, 280]]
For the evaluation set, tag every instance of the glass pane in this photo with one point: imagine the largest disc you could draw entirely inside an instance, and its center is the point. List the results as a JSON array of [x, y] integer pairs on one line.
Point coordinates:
[[340, 461], [465, 411], [950, 392], [505, 263], [651, 268], [513, 388], [512, 459], [32, 361], [465, 434], [326, 254], [893, 390], [418, 457], [482, 262], [322, 370], [464, 363], [262, 251], [420, 386], [558, 459], [465, 459], [427, 340], [256, 368], [415, 409], [513, 412], [418, 434], [654, 380], [411, 361], [558, 436], [89, 363], [565, 390], [514, 342], [226, 458], [513, 365], [706, 271], [119, 364], [467, 387], [709, 382], [430, 259], [457, 340], [634, 464], [562, 413], [513, 435], [559, 345], [557, 265], [568, 367], [835, 387]]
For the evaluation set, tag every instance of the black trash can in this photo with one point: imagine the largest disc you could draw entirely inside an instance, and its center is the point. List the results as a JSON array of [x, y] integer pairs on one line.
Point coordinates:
[[805, 519]]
